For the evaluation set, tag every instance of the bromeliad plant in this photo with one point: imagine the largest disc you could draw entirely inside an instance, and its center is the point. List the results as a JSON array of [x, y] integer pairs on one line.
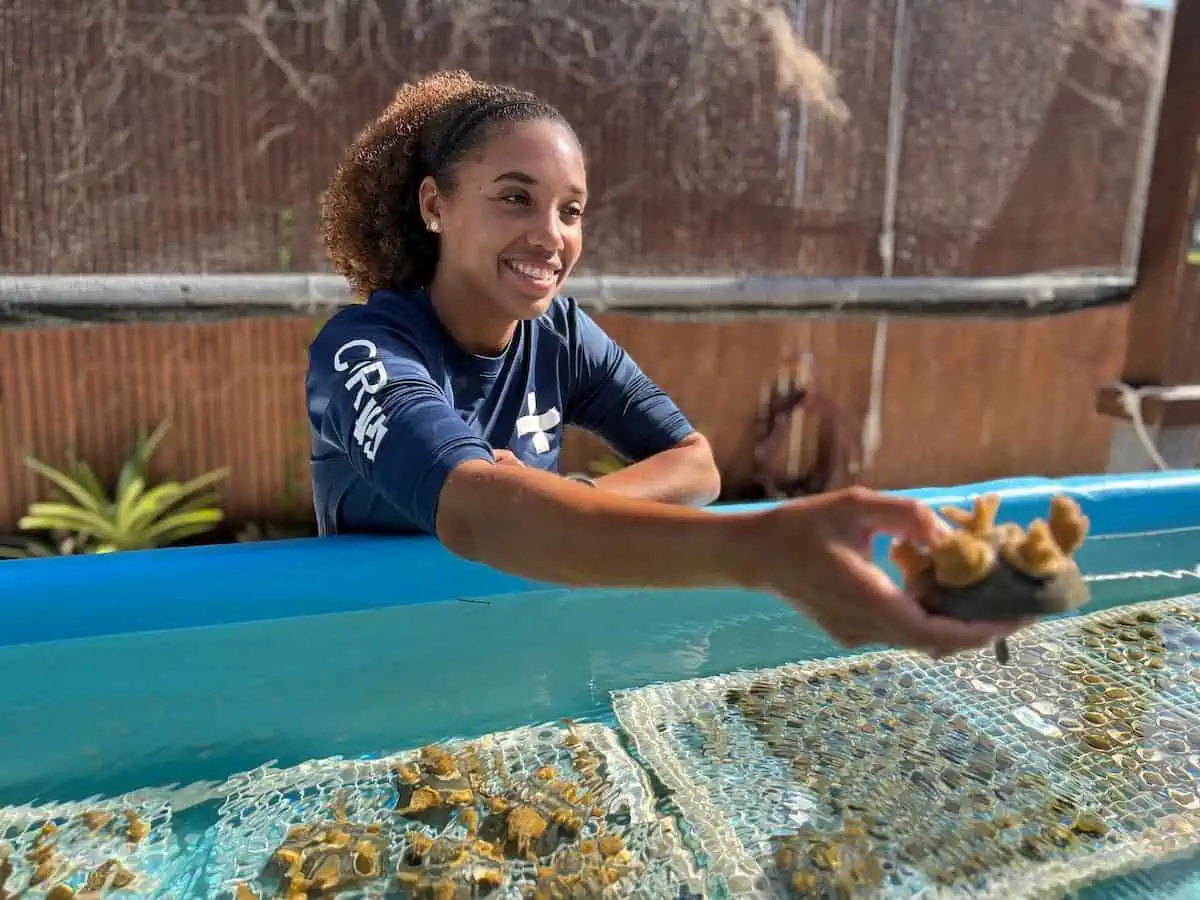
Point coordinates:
[[86, 518]]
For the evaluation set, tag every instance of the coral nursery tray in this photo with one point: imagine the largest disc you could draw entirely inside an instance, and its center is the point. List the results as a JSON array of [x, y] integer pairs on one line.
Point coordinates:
[[543, 811], [890, 774], [116, 847]]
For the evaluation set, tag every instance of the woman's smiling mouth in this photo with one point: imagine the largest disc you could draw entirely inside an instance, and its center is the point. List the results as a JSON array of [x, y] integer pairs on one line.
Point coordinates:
[[542, 276]]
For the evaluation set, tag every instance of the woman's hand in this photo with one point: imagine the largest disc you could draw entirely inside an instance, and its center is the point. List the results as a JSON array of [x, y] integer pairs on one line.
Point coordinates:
[[686, 475], [816, 554]]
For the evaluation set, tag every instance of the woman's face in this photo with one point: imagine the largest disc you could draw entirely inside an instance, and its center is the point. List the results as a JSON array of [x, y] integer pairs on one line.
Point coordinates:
[[511, 230]]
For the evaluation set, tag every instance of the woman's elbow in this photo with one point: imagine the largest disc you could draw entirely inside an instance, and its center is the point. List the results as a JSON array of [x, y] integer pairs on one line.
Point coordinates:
[[709, 488], [706, 477]]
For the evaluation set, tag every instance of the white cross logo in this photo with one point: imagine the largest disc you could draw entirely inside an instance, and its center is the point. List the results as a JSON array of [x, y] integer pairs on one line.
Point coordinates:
[[537, 425]]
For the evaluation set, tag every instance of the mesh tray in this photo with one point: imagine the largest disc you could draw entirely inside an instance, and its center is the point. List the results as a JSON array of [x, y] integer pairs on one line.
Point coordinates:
[[263, 805], [891, 774], [125, 843]]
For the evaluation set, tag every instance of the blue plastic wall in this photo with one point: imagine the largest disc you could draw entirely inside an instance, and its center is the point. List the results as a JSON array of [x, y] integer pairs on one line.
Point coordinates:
[[71, 597], [104, 688]]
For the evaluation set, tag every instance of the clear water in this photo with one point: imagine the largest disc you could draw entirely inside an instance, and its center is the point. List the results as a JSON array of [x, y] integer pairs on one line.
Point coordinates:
[[101, 716]]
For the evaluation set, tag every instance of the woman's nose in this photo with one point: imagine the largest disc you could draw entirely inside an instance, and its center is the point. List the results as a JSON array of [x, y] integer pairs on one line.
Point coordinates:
[[547, 233]]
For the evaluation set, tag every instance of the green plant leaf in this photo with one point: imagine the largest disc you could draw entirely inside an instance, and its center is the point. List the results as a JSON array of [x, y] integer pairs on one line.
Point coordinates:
[[182, 532], [137, 464], [201, 519], [201, 482], [158, 497], [149, 446], [126, 506], [65, 517], [83, 475], [152, 504], [68, 485], [200, 501]]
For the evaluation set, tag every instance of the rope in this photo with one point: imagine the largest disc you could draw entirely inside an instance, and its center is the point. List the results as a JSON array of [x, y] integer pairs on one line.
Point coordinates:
[[1131, 402]]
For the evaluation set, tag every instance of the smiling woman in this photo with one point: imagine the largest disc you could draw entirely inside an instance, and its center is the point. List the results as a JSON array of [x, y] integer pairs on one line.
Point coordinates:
[[457, 214], [439, 404]]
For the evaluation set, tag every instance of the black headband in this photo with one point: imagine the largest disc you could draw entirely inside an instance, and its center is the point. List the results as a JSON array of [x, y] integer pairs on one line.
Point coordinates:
[[467, 120]]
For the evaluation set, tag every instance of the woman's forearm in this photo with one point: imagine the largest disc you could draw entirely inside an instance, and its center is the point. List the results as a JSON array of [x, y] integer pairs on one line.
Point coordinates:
[[685, 475], [537, 525]]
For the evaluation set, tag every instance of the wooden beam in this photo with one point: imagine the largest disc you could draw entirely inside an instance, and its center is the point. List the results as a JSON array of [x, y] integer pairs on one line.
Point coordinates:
[[1164, 325], [1163, 336]]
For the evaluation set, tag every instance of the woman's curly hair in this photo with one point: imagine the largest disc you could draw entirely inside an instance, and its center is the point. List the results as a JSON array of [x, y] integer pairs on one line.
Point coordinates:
[[370, 215]]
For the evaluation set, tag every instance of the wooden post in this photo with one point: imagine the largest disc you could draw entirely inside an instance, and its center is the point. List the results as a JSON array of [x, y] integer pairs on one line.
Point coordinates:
[[1163, 339]]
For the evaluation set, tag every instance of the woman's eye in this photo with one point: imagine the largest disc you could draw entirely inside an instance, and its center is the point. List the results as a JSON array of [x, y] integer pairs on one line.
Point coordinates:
[[569, 212]]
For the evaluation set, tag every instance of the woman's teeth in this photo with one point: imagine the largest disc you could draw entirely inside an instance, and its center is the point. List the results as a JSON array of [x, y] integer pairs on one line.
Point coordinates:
[[534, 272]]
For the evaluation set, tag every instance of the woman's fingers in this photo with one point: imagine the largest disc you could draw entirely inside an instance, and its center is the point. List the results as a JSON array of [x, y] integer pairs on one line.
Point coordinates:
[[900, 517]]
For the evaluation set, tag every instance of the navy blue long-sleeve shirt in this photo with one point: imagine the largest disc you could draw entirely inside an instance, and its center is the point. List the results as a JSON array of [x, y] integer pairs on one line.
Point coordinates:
[[394, 404]]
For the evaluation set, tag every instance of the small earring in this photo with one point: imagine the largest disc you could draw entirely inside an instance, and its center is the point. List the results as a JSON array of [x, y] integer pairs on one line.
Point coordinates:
[[434, 226]]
